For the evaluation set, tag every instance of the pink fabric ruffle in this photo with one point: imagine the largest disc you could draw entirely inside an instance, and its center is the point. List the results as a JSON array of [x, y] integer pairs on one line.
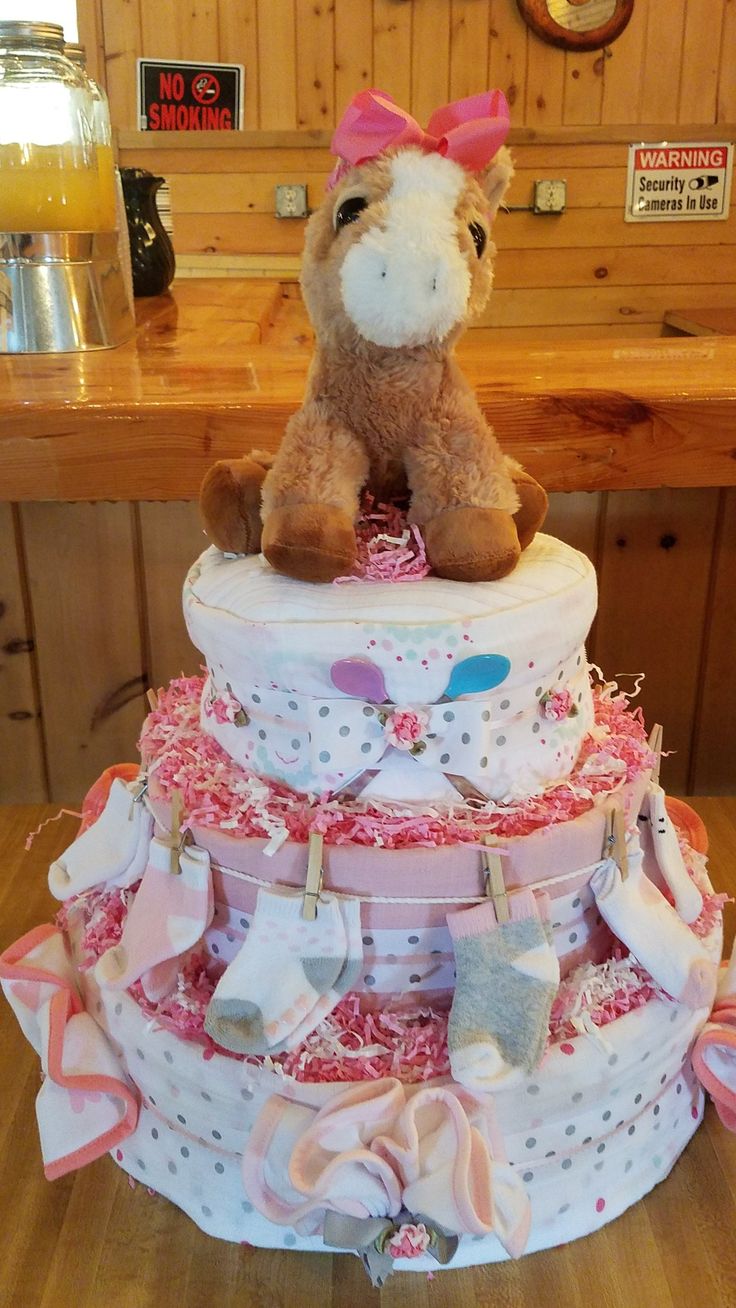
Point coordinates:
[[373, 1150]]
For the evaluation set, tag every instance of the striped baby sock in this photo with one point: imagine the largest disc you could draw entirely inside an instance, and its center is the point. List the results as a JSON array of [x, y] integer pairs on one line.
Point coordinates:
[[169, 914], [507, 978], [285, 966], [114, 848], [347, 977]]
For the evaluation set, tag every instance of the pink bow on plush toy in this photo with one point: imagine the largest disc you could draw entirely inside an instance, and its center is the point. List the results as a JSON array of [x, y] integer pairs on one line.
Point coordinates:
[[470, 131]]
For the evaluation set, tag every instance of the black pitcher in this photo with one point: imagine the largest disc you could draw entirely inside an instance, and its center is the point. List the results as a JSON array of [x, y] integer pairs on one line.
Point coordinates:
[[151, 251]]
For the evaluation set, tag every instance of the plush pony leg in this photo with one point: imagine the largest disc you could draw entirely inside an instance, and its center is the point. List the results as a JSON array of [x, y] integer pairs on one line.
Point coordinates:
[[311, 498], [533, 503], [462, 495], [230, 504]]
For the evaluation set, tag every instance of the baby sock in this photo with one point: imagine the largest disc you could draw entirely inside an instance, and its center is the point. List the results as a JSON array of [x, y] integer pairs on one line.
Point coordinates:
[[113, 849], [347, 977], [688, 899], [507, 978], [638, 913], [284, 967], [169, 914]]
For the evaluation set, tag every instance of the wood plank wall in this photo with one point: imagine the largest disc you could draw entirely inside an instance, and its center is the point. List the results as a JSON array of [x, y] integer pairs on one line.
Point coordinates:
[[90, 614], [671, 75]]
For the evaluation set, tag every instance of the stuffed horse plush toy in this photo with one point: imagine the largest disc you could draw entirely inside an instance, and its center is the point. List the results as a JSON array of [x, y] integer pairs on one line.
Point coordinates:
[[397, 258]]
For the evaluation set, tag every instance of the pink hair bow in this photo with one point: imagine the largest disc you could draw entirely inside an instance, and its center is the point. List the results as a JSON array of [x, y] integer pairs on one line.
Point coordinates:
[[470, 131]]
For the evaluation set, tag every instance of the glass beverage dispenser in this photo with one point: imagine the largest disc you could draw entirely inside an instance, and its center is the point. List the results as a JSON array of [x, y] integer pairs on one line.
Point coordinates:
[[61, 282]]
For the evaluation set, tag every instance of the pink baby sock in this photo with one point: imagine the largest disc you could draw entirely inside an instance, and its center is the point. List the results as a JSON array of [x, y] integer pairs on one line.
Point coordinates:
[[113, 849], [688, 899], [347, 977], [638, 913], [170, 913], [507, 977], [282, 970]]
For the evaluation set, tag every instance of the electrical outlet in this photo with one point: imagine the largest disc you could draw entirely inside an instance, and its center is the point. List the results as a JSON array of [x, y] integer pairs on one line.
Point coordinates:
[[291, 202], [550, 195]]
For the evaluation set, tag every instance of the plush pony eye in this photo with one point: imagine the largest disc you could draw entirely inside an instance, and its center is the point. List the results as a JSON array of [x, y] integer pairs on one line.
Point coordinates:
[[479, 237], [349, 210]]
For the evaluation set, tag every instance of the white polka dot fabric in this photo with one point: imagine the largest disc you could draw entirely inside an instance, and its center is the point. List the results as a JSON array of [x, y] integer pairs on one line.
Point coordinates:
[[597, 1125], [272, 644]]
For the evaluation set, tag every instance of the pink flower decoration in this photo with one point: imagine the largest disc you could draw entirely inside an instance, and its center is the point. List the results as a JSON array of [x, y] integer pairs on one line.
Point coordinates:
[[410, 1241], [405, 728], [556, 705]]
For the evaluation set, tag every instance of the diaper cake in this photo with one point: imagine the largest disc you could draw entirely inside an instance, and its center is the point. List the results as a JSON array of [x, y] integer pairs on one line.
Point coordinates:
[[390, 943]]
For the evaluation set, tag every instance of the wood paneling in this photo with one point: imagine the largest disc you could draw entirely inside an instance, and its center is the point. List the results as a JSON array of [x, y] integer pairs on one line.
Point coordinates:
[[171, 539], [654, 590], [22, 765], [713, 764], [670, 74], [84, 597]]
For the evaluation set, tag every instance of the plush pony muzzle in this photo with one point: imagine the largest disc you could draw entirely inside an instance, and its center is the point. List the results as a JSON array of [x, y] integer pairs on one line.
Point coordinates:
[[405, 281]]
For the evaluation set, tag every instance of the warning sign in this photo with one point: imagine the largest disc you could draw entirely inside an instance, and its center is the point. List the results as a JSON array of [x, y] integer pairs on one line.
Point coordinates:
[[671, 182], [176, 96]]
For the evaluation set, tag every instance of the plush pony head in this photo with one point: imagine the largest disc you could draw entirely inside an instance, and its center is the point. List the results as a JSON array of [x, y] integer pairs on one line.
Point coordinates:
[[399, 253]]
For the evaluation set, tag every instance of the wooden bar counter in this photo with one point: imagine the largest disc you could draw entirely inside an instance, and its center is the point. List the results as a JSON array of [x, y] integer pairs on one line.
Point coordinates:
[[208, 377]]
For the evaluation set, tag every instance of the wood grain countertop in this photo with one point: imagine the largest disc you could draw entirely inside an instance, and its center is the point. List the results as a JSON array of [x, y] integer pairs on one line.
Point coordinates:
[[201, 381], [89, 1240]]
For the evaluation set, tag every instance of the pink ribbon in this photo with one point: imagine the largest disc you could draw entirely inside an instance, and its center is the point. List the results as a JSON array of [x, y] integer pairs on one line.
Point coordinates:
[[469, 131], [85, 1105], [375, 1149], [714, 1059]]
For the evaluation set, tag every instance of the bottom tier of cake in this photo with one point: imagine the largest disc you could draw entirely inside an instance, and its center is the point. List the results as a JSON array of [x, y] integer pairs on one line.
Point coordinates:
[[600, 1123]]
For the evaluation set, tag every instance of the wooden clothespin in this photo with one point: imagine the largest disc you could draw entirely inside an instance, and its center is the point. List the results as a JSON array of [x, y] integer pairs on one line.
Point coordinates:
[[495, 884], [152, 698], [175, 840], [615, 841], [314, 876], [655, 744]]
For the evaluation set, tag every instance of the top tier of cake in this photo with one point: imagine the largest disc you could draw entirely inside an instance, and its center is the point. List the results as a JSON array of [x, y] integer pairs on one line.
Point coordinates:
[[410, 691]]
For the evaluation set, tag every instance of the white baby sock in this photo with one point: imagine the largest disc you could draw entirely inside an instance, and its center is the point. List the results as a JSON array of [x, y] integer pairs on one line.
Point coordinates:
[[346, 979], [114, 849], [507, 977], [638, 913], [169, 914], [285, 965], [688, 899]]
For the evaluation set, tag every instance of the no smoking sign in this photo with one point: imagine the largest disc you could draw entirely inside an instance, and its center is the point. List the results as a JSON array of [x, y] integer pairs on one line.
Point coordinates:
[[678, 181], [177, 96]]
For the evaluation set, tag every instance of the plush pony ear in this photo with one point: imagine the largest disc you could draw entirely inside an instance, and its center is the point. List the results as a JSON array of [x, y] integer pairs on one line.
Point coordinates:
[[495, 180]]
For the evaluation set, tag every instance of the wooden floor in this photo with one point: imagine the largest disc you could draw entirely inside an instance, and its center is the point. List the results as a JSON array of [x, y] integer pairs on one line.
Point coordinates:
[[90, 1241]]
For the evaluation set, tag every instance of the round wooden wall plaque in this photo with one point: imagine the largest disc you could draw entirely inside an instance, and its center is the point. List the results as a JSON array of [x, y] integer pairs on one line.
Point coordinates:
[[577, 24]]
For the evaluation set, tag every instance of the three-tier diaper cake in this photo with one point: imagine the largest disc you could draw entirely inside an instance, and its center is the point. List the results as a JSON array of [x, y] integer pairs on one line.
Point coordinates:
[[391, 943]]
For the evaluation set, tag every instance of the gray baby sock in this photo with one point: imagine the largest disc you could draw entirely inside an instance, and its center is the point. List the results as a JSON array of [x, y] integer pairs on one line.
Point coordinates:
[[285, 965], [507, 978]]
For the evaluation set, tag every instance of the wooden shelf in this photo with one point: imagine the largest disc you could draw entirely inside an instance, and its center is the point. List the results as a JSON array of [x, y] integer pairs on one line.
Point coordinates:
[[201, 382]]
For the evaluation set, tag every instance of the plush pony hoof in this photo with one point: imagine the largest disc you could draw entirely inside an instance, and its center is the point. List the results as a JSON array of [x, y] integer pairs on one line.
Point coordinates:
[[230, 505], [533, 505], [472, 544], [312, 542]]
